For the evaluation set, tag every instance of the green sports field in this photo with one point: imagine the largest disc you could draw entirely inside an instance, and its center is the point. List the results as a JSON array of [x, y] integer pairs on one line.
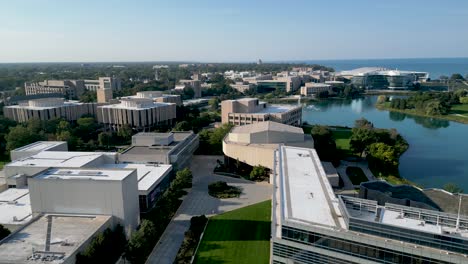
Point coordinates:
[[239, 236]]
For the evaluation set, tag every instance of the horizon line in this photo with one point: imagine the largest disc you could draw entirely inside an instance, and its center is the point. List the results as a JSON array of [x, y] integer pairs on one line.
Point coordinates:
[[285, 61]]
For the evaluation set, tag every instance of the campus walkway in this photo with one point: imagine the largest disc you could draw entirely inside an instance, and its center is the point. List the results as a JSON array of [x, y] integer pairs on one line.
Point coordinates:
[[198, 202]]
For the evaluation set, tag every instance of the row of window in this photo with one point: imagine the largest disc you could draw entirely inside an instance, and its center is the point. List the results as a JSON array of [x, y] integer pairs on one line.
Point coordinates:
[[412, 236], [353, 248], [303, 256]]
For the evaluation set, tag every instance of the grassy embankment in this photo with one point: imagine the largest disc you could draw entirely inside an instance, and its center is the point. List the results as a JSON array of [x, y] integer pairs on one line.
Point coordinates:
[[239, 236], [458, 113]]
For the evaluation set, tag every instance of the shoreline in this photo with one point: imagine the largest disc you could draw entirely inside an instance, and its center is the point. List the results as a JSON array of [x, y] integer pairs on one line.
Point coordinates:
[[449, 117]]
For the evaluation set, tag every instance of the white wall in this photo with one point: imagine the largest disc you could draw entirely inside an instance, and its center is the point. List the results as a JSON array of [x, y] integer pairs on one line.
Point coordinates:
[[85, 196]]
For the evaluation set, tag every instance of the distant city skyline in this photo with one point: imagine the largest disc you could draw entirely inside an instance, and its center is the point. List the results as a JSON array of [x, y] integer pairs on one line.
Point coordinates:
[[240, 31]]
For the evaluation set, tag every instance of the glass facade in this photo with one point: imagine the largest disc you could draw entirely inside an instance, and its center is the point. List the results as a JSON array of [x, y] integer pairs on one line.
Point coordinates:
[[264, 87], [411, 236], [348, 247]]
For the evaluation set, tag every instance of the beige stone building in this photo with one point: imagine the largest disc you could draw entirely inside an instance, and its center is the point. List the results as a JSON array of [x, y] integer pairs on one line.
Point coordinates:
[[195, 85], [250, 110], [93, 85], [141, 114], [49, 108], [255, 144], [242, 87], [311, 89], [159, 97], [69, 88]]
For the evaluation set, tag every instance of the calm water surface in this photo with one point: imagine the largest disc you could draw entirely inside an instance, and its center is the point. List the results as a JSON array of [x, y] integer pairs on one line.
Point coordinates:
[[438, 151]]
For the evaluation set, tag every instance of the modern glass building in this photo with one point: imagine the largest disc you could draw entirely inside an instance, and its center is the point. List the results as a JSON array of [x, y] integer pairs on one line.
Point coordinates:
[[310, 224], [382, 78]]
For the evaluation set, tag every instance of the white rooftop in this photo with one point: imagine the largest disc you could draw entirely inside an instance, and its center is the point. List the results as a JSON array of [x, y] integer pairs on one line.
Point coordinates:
[[59, 159], [266, 126], [306, 194], [135, 104], [68, 233], [15, 206], [85, 174], [149, 175], [40, 146]]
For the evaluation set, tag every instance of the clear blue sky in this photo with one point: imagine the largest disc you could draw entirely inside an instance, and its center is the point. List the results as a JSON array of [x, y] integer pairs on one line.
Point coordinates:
[[240, 30]]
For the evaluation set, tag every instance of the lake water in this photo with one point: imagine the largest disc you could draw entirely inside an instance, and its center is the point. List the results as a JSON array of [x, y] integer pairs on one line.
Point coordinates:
[[438, 151], [435, 66]]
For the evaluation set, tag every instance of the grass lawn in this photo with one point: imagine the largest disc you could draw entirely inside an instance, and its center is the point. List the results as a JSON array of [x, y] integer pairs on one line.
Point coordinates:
[[356, 175], [342, 138], [239, 236], [461, 109]]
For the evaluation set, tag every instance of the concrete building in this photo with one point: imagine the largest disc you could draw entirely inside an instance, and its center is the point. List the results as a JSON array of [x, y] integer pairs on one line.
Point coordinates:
[[250, 110], [195, 85], [242, 87], [283, 83], [174, 148], [49, 108], [256, 144], [140, 114], [103, 82], [159, 97], [112, 192], [36, 147], [153, 180], [52, 238], [312, 89], [69, 88], [310, 224], [15, 208]]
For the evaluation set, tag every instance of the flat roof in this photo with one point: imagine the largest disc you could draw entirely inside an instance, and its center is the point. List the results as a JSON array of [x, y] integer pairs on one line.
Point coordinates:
[[15, 204], [65, 103], [141, 107], [306, 194], [40, 146], [149, 175], [59, 159], [98, 174], [67, 234]]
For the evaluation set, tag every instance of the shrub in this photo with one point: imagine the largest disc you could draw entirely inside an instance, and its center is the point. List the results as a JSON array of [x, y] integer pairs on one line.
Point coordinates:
[[221, 189]]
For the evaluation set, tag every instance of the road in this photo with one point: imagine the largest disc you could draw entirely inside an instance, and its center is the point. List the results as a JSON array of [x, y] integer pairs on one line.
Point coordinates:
[[198, 202]]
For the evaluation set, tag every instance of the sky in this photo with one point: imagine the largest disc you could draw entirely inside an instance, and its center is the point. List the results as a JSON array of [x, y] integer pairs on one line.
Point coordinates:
[[230, 31]]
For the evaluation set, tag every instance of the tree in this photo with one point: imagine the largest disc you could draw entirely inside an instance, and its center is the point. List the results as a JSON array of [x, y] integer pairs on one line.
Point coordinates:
[[125, 132], [258, 173], [361, 138], [363, 123], [63, 126], [214, 103], [104, 139], [384, 154], [464, 100], [4, 232], [106, 247], [141, 243], [382, 99], [182, 126], [20, 136], [324, 142], [456, 77], [453, 188]]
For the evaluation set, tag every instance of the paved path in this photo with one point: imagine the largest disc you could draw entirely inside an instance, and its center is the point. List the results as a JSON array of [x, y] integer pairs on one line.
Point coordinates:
[[348, 185], [198, 202]]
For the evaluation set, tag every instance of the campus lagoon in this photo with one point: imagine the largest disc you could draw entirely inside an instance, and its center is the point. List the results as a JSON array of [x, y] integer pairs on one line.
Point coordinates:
[[438, 148]]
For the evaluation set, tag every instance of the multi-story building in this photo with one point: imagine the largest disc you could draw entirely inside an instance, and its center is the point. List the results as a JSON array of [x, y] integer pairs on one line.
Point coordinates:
[[382, 78], [175, 148], [140, 114], [49, 108], [284, 83], [243, 87], [311, 89], [194, 84], [103, 82], [310, 224], [255, 144], [159, 97], [69, 88], [250, 110]]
